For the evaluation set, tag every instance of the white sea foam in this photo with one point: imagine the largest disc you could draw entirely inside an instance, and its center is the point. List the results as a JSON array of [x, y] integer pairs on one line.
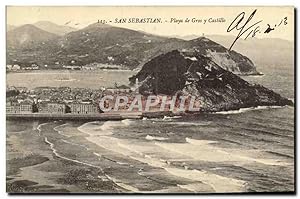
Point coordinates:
[[195, 187], [127, 122], [69, 159], [199, 142], [157, 154], [75, 144], [123, 185], [120, 163], [105, 129], [219, 183], [204, 150], [107, 125], [227, 184], [191, 58], [200, 123], [149, 137], [61, 132], [40, 126], [94, 130], [242, 110], [171, 117]]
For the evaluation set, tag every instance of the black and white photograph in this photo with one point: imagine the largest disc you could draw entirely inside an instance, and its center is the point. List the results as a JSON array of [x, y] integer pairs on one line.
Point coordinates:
[[150, 99]]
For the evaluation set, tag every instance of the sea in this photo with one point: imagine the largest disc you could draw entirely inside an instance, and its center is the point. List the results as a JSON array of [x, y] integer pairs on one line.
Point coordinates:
[[248, 150]]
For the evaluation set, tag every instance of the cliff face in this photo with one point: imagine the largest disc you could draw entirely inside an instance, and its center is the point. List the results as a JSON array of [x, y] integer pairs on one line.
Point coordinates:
[[228, 60], [190, 73]]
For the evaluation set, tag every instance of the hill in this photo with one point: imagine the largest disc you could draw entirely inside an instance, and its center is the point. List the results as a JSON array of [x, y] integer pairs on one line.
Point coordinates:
[[9, 27], [266, 52], [99, 43], [27, 36], [182, 73], [54, 28]]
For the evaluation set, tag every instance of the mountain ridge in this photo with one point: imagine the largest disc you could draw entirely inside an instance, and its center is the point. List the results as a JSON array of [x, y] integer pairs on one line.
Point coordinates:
[[27, 34], [54, 28], [99, 43]]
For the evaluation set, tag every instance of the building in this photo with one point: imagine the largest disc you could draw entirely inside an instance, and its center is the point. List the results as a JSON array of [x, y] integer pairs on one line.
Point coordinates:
[[42, 107], [73, 67], [83, 108], [88, 68], [19, 108], [30, 67], [57, 108], [52, 108], [12, 107], [9, 67], [119, 89], [16, 67], [26, 107]]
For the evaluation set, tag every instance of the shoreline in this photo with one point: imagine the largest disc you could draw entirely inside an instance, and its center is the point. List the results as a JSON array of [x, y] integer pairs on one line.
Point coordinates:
[[99, 116], [102, 70], [111, 116], [68, 71]]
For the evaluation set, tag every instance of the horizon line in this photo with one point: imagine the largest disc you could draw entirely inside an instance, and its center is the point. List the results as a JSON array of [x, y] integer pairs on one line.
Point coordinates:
[[162, 35]]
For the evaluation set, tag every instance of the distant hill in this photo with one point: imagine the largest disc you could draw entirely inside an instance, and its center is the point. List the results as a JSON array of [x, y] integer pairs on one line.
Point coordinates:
[[99, 43], [263, 52], [266, 52], [27, 36], [106, 44], [54, 28], [9, 27]]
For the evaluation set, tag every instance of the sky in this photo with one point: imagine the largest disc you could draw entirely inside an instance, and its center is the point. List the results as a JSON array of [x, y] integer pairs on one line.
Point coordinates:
[[80, 16]]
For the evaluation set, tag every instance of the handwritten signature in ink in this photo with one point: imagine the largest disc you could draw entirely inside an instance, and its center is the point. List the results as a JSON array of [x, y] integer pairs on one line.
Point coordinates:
[[244, 28], [247, 28]]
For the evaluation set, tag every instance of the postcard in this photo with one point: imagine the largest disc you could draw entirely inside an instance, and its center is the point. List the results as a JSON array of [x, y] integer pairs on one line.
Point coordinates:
[[150, 99]]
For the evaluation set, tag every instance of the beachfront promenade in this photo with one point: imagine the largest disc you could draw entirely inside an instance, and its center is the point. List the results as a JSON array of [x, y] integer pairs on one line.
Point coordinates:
[[112, 115]]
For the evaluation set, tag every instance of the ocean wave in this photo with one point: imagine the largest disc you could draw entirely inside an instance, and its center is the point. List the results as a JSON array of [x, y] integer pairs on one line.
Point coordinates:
[[152, 155], [109, 125], [69, 159], [127, 122], [200, 123], [149, 137], [104, 129], [123, 185], [115, 161], [219, 184], [114, 180], [157, 154], [242, 110], [196, 186], [61, 132], [40, 126], [95, 130], [199, 142], [171, 117], [75, 144], [204, 150], [141, 154]]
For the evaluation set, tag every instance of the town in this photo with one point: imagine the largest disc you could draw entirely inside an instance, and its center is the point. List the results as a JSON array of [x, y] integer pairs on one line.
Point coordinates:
[[16, 67], [56, 100], [89, 102]]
